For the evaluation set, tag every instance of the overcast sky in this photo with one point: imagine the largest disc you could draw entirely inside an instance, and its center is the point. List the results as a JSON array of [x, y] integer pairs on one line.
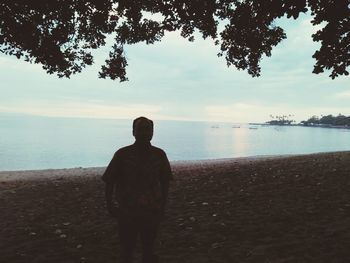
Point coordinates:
[[179, 80]]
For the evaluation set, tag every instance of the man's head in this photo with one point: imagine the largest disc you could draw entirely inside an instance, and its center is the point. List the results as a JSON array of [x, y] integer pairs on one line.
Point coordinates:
[[142, 129]]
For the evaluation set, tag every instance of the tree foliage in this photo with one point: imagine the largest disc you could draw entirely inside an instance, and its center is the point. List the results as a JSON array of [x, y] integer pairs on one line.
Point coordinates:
[[61, 34], [328, 120], [280, 120]]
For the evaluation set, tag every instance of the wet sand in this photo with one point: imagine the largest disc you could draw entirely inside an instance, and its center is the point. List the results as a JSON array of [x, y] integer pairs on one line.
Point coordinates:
[[260, 209]]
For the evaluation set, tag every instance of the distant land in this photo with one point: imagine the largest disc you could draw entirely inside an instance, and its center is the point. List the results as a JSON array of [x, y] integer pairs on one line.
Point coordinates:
[[325, 121]]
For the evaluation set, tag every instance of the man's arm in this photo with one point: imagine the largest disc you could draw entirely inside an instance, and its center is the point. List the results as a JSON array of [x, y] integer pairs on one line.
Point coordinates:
[[111, 206], [166, 176], [109, 177]]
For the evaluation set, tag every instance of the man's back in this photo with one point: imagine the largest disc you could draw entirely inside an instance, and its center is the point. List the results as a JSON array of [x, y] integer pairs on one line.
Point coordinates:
[[138, 172]]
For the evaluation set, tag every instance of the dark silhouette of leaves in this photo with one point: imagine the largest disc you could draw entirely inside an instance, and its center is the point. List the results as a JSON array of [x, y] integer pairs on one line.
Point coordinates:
[[61, 34]]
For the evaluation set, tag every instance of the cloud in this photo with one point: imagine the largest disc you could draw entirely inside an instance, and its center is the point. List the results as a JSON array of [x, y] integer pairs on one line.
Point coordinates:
[[258, 112], [84, 110], [343, 95], [12, 63], [238, 112], [178, 80]]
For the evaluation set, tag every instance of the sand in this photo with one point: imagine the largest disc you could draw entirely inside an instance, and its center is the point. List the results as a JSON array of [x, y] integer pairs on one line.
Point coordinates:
[[259, 209]]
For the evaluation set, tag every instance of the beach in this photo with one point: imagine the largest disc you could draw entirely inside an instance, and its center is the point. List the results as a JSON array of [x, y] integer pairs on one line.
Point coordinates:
[[255, 209]]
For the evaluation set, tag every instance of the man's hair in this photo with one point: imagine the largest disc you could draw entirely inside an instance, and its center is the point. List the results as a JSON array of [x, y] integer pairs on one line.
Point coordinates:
[[141, 119]]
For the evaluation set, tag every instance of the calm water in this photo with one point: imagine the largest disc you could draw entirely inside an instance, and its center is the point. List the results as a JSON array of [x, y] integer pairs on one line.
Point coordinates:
[[41, 142]]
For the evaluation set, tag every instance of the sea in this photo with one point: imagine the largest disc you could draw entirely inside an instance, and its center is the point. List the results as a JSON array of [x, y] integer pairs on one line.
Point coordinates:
[[35, 142]]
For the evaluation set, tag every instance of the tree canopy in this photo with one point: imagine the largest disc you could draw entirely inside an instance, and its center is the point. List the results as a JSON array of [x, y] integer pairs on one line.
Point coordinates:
[[330, 120], [281, 120], [61, 34]]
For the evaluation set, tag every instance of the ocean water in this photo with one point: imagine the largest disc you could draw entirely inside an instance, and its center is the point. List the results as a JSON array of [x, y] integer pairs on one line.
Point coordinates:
[[28, 142]]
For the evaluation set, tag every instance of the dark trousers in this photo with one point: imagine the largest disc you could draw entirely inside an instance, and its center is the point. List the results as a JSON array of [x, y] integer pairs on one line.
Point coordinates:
[[134, 225]]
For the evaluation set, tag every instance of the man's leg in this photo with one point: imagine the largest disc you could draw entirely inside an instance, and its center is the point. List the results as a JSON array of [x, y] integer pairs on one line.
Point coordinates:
[[149, 228], [128, 236]]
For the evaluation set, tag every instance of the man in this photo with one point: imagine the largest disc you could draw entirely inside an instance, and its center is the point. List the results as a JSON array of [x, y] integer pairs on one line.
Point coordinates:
[[139, 176]]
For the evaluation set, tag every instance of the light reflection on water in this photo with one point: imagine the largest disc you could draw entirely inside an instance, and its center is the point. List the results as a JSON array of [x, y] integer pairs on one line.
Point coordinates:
[[239, 141], [39, 142]]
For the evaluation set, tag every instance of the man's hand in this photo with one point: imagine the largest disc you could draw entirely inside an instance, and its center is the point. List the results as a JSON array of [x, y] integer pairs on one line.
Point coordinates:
[[113, 209]]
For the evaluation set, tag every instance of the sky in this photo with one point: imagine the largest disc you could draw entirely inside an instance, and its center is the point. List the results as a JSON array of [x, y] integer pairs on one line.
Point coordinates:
[[179, 80]]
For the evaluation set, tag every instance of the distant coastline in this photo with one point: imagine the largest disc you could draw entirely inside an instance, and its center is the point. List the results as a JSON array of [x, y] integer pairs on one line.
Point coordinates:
[[304, 125], [325, 121]]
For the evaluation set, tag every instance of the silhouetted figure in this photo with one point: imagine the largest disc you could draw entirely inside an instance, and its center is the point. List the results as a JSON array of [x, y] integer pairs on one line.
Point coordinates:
[[139, 176]]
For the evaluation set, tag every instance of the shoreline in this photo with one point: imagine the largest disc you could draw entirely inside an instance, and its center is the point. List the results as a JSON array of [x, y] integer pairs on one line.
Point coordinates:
[[43, 174], [346, 127]]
